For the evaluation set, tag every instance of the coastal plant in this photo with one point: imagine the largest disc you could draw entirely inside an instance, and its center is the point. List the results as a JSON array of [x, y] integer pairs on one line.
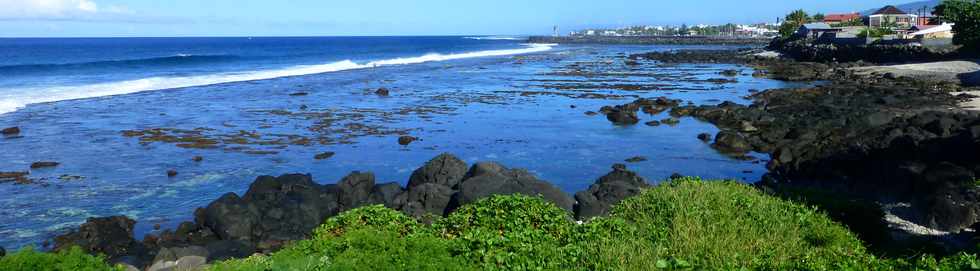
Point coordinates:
[[729, 225], [71, 259], [965, 14]]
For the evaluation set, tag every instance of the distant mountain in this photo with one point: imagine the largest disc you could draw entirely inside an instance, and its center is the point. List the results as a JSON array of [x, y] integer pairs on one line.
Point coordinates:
[[914, 7]]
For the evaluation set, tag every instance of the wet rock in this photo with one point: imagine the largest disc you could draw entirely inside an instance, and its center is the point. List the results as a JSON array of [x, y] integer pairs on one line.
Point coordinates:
[[445, 169], [731, 142], [297, 94], [636, 159], [171, 173], [325, 155], [197, 159], [670, 121], [3, 252], [44, 164], [17, 176], [729, 73], [111, 236], [653, 123], [607, 191], [622, 116], [488, 178], [706, 137], [427, 198], [591, 113], [405, 140], [382, 92], [10, 131]]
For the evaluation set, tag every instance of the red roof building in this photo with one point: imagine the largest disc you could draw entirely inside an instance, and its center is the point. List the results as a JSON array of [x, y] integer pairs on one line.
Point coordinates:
[[840, 18]]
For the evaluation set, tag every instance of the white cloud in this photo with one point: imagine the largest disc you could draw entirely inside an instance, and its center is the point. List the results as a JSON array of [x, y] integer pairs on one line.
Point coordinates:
[[51, 10]]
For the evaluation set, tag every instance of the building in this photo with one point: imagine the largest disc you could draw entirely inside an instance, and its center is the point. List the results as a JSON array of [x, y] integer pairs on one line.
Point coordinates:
[[892, 17], [840, 18], [817, 30]]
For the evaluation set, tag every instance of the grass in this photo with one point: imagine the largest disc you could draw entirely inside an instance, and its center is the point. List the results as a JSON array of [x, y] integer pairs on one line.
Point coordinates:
[[681, 225]]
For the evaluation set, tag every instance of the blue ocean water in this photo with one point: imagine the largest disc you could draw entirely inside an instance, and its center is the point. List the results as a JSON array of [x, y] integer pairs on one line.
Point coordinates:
[[270, 105]]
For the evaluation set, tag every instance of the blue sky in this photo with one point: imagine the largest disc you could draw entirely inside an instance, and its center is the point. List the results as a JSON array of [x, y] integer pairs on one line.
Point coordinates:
[[72, 18]]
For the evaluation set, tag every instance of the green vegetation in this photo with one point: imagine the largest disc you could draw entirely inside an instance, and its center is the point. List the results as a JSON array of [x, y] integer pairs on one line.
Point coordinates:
[[67, 260], [793, 21], [684, 224], [966, 15], [853, 22]]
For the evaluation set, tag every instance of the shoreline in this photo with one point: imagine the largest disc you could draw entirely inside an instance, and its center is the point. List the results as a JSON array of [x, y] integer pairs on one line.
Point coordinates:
[[650, 40], [773, 124]]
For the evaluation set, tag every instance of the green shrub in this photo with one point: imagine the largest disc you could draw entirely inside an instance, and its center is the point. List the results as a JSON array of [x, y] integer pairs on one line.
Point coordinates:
[[67, 260], [728, 225], [513, 233]]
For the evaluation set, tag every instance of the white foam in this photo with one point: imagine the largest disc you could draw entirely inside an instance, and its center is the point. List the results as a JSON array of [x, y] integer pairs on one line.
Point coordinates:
[[14, 99], [494, 38]]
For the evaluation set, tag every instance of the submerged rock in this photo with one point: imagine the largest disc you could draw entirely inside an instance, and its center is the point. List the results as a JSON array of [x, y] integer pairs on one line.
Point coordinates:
[[382, 92], [44, 164], [731, 142], [405, 140], [706, 137], [325, 155], [10, 131], [636, 159], [171, 173]]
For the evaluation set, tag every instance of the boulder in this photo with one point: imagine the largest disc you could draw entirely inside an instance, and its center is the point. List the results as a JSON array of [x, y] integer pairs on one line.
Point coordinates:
[[111, 236], [10, 131], [488, 178], [622, 116], [176, 253], [426, 198], [607, 191], [731, 142], [3, 252], [445, 169], [281, 209], [386, 194], [227, 249], [355, 190]]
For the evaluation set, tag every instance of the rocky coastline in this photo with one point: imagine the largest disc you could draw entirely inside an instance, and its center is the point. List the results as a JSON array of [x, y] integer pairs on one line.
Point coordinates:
[[278, 210], [899, 144], [888, 148]]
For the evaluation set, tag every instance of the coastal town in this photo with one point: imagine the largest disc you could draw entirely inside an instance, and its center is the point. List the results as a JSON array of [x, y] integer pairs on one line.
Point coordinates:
[[886, 24]]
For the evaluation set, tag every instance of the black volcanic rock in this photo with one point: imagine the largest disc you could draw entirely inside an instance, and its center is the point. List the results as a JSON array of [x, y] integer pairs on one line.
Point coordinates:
[[110, 236], [487, 178], [446, 169], [607, 191]]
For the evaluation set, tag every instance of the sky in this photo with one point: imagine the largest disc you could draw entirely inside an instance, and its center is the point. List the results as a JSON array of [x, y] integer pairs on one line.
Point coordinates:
[[155, 18]]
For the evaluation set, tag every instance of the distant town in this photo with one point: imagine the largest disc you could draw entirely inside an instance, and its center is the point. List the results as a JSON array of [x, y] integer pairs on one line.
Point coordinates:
[[888, 23]]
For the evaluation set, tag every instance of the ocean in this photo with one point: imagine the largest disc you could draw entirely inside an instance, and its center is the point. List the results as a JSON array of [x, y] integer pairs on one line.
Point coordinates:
[[119, 113]]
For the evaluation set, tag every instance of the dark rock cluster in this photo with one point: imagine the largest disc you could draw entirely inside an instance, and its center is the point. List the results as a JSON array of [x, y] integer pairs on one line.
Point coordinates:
[[627, 114], [277, 210], [889, 141]]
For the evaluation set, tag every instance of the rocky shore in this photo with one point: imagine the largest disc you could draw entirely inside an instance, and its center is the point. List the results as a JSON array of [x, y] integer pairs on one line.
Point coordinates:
[[278, 210], [898, 143]]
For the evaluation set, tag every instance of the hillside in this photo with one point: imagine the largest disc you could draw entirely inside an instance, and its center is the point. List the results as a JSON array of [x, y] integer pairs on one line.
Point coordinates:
[[911, 7]]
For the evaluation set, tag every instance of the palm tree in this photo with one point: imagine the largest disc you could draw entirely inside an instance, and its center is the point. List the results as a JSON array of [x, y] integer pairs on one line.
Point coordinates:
[[798, 17]]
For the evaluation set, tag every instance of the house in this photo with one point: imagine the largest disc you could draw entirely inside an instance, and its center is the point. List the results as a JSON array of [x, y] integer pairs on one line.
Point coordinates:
[[943, 31], [840, 18], [892, 17], [817, 30]]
